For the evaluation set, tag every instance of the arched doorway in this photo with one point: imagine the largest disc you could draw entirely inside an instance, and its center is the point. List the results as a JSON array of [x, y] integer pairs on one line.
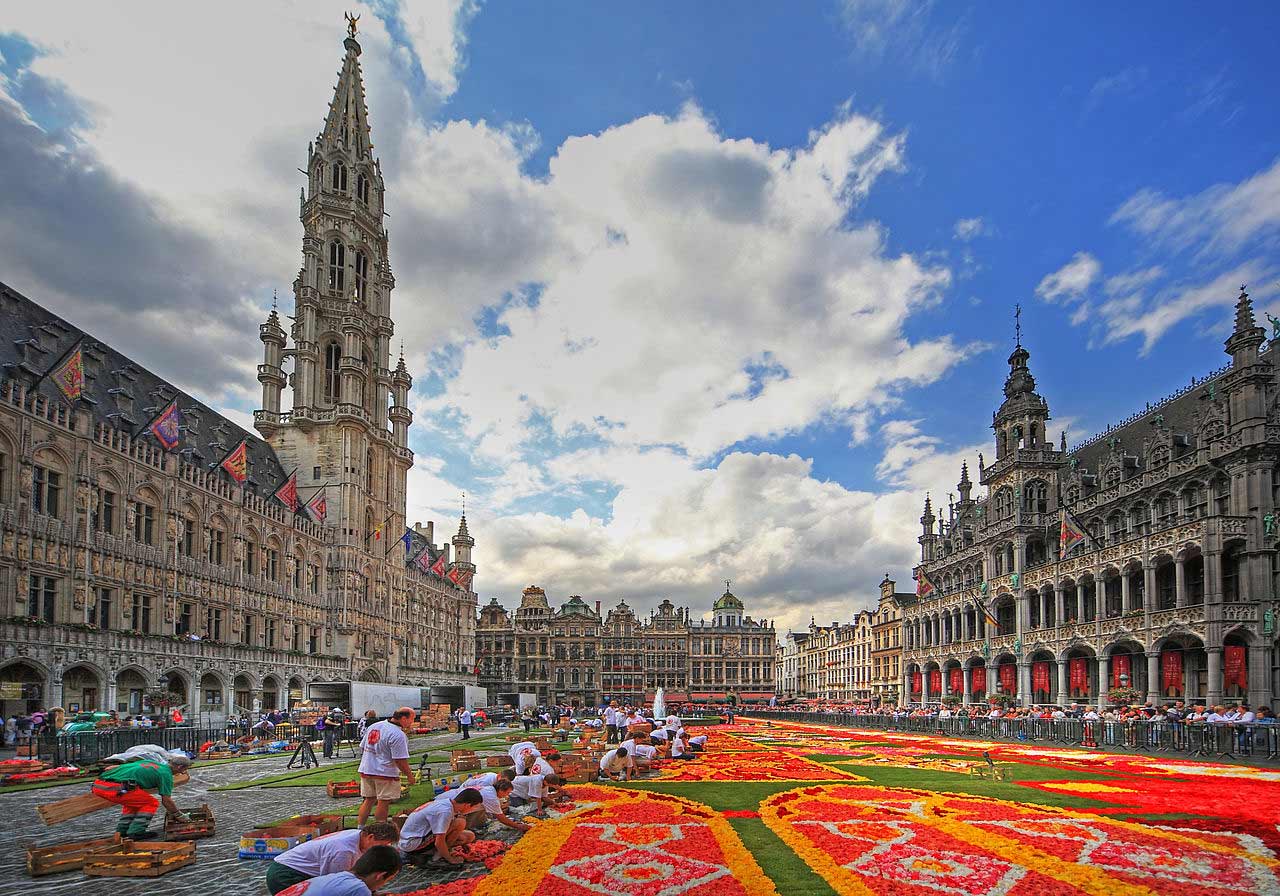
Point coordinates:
[[270, 693], [297, 691], [131, 691], [243, 688], [978, 680], [1044, 687], [1006, 676], [177, 690], [81, 689], [1235, 668], [1184, 669], [915, 683], [21, 688], [1127, 666], [211, 694], [1082, 674]]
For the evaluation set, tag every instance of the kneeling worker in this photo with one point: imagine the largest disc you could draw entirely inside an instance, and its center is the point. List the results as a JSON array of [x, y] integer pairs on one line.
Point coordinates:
[[376, 868], [130, 786], [536, 789], [327, 855], [490, 805], [440, 827], [615, 766]]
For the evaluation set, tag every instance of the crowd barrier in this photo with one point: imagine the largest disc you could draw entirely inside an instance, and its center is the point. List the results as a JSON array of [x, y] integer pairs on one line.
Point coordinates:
[[87, 747], [1258, 743]]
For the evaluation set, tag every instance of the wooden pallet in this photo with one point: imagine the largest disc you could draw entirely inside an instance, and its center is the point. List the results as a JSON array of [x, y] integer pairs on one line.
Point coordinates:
[[343, 789], [199, 827], [69, 856], [464, 764], [141, 859], [500, 761], [217, 754], [323, 823]]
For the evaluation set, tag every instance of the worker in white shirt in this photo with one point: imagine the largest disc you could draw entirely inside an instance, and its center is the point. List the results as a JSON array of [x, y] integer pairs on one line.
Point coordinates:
[[439, 828], [615, 765], [464, 722], [644, 756], [490, 805], [611, 723], [523, 753], [537, 790], [488, 779], [545, 765], [680, 749], [698, 743]]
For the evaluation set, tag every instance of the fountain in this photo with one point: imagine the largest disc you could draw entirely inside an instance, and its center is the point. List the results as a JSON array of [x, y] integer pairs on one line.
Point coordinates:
[[659, 705]]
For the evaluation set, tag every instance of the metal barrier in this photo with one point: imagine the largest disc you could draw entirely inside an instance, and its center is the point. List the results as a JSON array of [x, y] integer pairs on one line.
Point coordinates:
[[1253, 743]]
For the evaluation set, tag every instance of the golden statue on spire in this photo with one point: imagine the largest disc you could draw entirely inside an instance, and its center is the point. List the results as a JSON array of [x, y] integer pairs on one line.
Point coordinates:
[[351, 24]]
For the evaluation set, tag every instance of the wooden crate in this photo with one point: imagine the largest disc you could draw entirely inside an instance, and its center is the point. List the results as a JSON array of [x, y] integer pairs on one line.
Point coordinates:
[[199, 827], [323, 823], [216, 754], [464, 764], [343, 789], [500, 761], [69, 856], [542, 745], [151, 859]]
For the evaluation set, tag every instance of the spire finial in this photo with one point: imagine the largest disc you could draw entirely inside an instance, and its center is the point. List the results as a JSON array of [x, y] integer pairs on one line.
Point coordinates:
[[1017, 325], [352, 22], [274, 300]]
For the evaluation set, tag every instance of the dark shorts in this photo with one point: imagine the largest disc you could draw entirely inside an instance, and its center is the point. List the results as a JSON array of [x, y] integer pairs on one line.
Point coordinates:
[[280, 877]]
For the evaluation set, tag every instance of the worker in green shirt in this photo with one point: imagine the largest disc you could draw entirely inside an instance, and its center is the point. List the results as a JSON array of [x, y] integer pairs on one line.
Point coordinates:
[[131, 787]]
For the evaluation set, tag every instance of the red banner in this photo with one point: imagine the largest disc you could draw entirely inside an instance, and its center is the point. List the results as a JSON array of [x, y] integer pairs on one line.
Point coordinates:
[[1171, 673], [935, 682], [957, 680], [1009, 678], [1040, 678], [978, 679], [915, 682], [1234, 671], [1078, 668], [1121, 664]]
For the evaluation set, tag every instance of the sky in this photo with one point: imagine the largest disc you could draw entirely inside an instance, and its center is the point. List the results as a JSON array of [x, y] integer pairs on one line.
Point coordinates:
[[689, 292]]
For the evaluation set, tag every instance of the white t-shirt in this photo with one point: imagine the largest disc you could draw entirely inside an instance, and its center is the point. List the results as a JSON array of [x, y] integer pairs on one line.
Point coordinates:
[[660, 734], [673, 722], [324, 855], [344, 883], [484, 779], [629, 745], [516, 752], [611, 716], [488, 795], [528, 787], [612, 762], [700, 740], [677, 748], [644, 752], [381, 745], [426, 821], [465, 718], [541, 767]]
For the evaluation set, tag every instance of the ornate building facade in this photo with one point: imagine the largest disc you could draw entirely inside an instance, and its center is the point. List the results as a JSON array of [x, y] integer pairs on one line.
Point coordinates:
[[886, 644], [1171, 593], [132, 576], [588, 660]]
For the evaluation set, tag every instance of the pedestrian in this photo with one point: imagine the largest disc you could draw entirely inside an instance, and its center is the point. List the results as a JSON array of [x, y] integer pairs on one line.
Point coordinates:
[[384, 758], [464, 723], [11, 731], [376, 868], [329, 854], [322, 729], [130, 786], [526, 716]]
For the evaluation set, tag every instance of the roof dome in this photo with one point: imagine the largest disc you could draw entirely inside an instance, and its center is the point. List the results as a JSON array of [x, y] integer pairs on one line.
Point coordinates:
[[727, 601]]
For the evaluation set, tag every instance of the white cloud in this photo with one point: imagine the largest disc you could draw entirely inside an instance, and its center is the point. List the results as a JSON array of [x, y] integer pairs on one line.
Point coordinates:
[[969, 228], [1071, 281], [904, 29]]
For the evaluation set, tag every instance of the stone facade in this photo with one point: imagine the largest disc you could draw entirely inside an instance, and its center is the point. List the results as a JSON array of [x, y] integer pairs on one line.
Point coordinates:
[[886, 645], [1172, 591], [128, 572], [571, 654]]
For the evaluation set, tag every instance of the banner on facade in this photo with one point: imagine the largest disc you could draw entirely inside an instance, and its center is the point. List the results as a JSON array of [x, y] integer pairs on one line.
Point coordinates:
[[1121, 665], [916, 682], [924, 585], [1040, 677], [1009, 678], [318, 507], [1078, 674], [978, 680], [935, 682], [1171, 672], [167, 427], [287, 493], [1234, 671], [237, 462], [957, 680], [69, 375]]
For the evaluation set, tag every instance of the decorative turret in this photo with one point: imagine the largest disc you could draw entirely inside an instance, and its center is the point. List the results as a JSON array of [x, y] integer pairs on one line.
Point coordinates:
[[271, 371], [400, 414], [727, 610], [928, 539], [1247, 338], [965, 486], [1020, 420], [927, 519], [462, 545]]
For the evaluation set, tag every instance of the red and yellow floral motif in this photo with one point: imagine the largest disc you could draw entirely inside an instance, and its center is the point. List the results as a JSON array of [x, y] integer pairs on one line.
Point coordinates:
[[774, 765]]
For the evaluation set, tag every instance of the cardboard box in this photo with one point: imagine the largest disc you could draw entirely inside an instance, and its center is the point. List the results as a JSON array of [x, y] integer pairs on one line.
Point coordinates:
[[267, 843]]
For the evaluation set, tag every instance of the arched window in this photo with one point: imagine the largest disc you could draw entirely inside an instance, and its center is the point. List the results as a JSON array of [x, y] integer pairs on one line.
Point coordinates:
[[368, 469], [362, 275], [1035, 497], [337, 266], [332, 358], [338, 178], [1165, 510], [1004, 503], [1221, 495], [362, 188], [1140, 518], [1195, 500]]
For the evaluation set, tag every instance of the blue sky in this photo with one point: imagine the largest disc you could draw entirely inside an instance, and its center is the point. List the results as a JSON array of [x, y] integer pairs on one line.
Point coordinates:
[[688, 295]]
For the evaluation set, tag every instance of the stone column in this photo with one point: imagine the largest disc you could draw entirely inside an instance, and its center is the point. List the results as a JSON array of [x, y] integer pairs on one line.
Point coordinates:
[[1064, 696], [1024, 683], [968, 685], [1153, 677], [1126, 603], [1180, 581], [1213, 689], [1103, 678], [924, 686]]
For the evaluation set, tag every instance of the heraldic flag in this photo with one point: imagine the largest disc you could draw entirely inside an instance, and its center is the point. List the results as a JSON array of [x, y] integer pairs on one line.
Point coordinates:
[[318, 507], [167, 427], [924, 585], [237, 462], [69, 375], [1072, 534], [423, 560], [288, 492], [438, 566]]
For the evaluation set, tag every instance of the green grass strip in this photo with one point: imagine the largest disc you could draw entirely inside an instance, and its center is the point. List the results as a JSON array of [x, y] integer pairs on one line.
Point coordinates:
[[787, 870]]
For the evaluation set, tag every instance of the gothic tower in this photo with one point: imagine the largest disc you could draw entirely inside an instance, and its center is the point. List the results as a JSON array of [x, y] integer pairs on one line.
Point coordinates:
[[343, 391]]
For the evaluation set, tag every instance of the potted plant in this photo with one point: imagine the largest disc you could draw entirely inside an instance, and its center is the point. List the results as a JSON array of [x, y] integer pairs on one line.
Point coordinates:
[[951, 700], [1124, 696], [1002, 700]]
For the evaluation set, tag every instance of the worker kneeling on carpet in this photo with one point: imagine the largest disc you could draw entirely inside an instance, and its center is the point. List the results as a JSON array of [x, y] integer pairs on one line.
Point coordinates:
[[131, 787], [376, 868], [327, 855], [439, 827]]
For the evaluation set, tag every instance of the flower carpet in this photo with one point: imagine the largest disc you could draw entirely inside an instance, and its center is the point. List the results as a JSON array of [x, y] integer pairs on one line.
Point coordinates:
[[778, 808]]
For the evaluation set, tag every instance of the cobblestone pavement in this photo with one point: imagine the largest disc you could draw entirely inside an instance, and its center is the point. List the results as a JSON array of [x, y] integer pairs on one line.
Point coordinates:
[[217, 869]]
